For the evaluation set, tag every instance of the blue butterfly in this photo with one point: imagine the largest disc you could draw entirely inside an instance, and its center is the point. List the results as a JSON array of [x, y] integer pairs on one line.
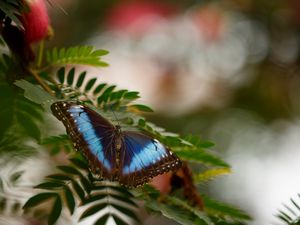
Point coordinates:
[[131, 158]]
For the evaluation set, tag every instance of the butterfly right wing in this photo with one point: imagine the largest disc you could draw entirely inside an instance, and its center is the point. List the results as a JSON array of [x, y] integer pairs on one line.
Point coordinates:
[[142, 158], [92, 134]]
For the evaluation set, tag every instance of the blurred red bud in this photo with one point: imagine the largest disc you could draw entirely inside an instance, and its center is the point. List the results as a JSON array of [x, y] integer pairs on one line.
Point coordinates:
[[36, 21], [162, 183], [139, 16]]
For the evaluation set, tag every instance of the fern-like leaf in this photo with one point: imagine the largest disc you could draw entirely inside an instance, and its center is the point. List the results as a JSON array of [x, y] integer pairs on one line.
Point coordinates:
[[17, 111], [76, 186], [211, 174], [13, 9], [176, 209], [291, 214], [103, 95], [57, 143], [84, 55], [224, 211]]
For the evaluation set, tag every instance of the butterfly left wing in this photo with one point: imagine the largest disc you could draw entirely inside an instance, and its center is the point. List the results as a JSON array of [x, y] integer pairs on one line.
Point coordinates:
[[92, 134], [142, 158]]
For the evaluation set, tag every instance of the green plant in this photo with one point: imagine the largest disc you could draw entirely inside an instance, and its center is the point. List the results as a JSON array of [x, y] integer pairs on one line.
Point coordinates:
[[28, 90], [291, 214]]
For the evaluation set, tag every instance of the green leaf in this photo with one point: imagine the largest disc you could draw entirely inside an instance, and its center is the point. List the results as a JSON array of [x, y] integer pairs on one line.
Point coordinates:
[[121, 190], [142, 108], [69, 199], [79, 191], [69, 169], [16, 207], [206, 144], [59, 177], [118, 220], [50, 185], [116, 96], [141, 123], [196, 141], [56, 211], [38, 199], [124, 199], [32, 109], [92, 210], [200, 156], [15, 177], [103, 220], [70, 78], [61, 75], [86, 184], [211, 174], [80, 163], [30, 127], [95, 197], [221, 209], [150, 191], [105, 95], [90, 84], [84, 55], [177, 214], [131, 95], [36, 94], [80, 79], [1, 185], [55, 139], [3, 203], [126, 211], [290, 215], [200, 215], [99, 88], [13, 10]]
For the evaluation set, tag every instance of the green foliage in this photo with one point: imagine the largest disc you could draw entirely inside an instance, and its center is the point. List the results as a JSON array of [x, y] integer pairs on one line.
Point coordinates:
[[8, 197], [56, 143], [75, 186], [175, 208], [291, 214], [5, 64], [84, 55], [13, 9], [24, 105], [15, 110], [74, 86], [224, 211], [35, 93], [75, 190], [20, 121], [210, 174], [70, 183]]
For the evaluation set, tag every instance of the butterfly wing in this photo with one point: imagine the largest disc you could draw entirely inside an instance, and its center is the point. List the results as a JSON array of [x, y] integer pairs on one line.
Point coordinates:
[[92, 134], [142, 157]]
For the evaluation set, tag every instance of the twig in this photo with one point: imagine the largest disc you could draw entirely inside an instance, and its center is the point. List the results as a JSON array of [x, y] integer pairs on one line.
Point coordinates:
[[40, 54], [41, 82]]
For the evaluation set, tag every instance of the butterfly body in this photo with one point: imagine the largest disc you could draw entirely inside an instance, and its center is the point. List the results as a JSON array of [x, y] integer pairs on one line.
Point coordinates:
[[129, 157]]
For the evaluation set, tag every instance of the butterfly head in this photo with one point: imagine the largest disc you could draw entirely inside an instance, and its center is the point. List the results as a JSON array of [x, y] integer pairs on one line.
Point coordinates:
[[118, 129]]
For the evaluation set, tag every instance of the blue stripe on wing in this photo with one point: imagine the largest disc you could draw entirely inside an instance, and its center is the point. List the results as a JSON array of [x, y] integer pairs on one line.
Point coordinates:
[[86, 128], [141, 152]]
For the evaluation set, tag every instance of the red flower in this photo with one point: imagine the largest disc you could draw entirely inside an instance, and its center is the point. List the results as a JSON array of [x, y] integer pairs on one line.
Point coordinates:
[[36, 21]]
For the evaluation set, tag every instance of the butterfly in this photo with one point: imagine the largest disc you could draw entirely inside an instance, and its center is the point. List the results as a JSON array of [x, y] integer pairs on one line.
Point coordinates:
[[129, 157]]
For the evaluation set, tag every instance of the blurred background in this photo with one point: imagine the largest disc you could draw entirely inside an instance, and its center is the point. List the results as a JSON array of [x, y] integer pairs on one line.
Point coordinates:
[[226, 70]]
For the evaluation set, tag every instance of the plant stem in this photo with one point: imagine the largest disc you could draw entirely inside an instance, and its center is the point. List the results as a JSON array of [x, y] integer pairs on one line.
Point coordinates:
[[40, 54], [41, 82]]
